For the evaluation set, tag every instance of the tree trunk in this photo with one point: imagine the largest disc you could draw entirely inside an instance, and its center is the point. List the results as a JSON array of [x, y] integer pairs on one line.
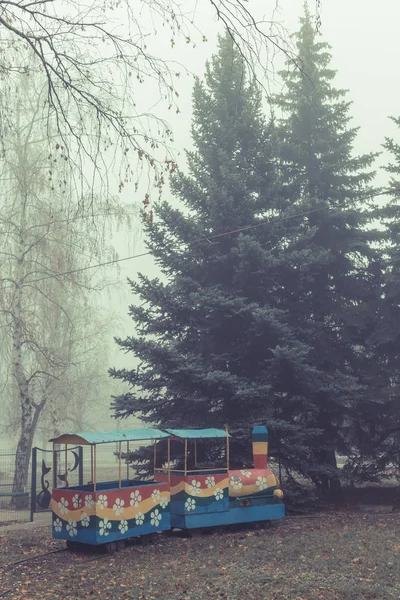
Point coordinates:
[[29, 411], [330, 482], [335, 486], [22, 458]]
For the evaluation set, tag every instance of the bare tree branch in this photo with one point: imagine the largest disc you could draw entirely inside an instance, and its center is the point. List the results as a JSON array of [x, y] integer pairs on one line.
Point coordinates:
[[95, 56], [46, 373], [51, 324]]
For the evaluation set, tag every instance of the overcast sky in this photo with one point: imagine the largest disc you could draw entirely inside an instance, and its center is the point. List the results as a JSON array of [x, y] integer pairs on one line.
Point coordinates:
[[365, 51], [366, 54]]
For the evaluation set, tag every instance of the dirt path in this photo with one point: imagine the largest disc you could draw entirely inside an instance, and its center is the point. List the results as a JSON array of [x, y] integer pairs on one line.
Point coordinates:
[[327, 558]]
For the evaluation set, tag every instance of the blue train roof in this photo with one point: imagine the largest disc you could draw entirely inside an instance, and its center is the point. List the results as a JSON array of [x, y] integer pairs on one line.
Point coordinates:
[[106, 437], [136, 435], [197, 434]]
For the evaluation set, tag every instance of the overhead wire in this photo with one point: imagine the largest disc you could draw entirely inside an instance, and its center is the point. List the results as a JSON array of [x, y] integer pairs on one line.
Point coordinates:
[[204, 237]]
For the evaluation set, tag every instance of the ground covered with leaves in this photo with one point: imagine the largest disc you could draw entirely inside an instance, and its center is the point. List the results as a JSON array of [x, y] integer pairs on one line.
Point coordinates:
[[346, 557]]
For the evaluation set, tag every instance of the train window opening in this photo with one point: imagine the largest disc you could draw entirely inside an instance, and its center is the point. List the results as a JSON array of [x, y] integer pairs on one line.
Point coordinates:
[[96, 465], [180, 452]]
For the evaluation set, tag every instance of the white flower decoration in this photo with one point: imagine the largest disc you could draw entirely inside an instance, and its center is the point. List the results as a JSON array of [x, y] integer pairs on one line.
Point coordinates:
[[155, 517], [246, 474], [195, 487], [102, 501], [118, 507], [63, 506], [72, 528], [155, 496], [85, 520], [210, 482], [89, 502], [123, 526], [139, 519], [76, 501], [261, 483], [104, 526], [219, 494], [57, 524], [190, 504], [136, 498], [236, 482], [164, 502]]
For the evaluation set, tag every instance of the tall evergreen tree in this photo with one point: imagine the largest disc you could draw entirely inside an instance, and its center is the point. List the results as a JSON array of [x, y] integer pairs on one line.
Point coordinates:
[[384, 425], [214, 350], [331, 289], [390, 214]]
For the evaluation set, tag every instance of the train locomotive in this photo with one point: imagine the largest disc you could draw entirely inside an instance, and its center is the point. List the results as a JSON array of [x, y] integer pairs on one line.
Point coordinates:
[[111, 512]]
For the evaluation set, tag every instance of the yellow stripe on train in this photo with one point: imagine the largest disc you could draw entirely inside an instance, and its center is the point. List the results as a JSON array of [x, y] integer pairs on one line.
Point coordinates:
[[249, 490], [124, 512], [260, 448], [193, 490]]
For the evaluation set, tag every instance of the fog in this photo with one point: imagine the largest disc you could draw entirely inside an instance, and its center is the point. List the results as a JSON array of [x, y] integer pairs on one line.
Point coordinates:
[[364, 52], [363, 37]]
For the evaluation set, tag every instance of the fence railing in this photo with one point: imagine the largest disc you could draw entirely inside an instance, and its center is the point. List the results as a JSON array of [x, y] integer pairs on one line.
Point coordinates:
[[14, 506], [71, 469]]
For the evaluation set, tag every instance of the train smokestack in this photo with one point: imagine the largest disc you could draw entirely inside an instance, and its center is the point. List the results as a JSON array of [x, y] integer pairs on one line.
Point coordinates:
[[260, 446]]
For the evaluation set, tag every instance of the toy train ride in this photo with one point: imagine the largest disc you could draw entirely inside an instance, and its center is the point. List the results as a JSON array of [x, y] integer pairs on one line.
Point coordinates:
[[109, 513]]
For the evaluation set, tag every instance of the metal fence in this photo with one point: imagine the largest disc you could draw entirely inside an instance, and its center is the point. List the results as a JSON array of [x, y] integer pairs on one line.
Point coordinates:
[[73, 468], [66, 471], [107, 463], [13, 506]]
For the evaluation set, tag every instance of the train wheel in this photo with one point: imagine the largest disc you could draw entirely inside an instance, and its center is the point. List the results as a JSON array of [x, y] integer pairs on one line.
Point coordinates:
[[262, 525], [169, 532], [144, 540], [120, 545], [133, 541], [188, 533], [219, 530], [71, 545], [201, 531], [153, 538], [111, 547]]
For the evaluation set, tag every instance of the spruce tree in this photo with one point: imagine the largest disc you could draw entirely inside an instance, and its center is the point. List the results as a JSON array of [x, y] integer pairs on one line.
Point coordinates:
[[331, 291], [384, 422], [214, 348], [390, 215]]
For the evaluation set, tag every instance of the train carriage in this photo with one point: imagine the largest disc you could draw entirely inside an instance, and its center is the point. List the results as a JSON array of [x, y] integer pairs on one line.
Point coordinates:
[[191, 497], [107, 512]]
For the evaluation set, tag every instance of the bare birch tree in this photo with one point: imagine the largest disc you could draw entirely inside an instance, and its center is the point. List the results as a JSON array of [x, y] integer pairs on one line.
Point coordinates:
[[45, 310], [95, 56]]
